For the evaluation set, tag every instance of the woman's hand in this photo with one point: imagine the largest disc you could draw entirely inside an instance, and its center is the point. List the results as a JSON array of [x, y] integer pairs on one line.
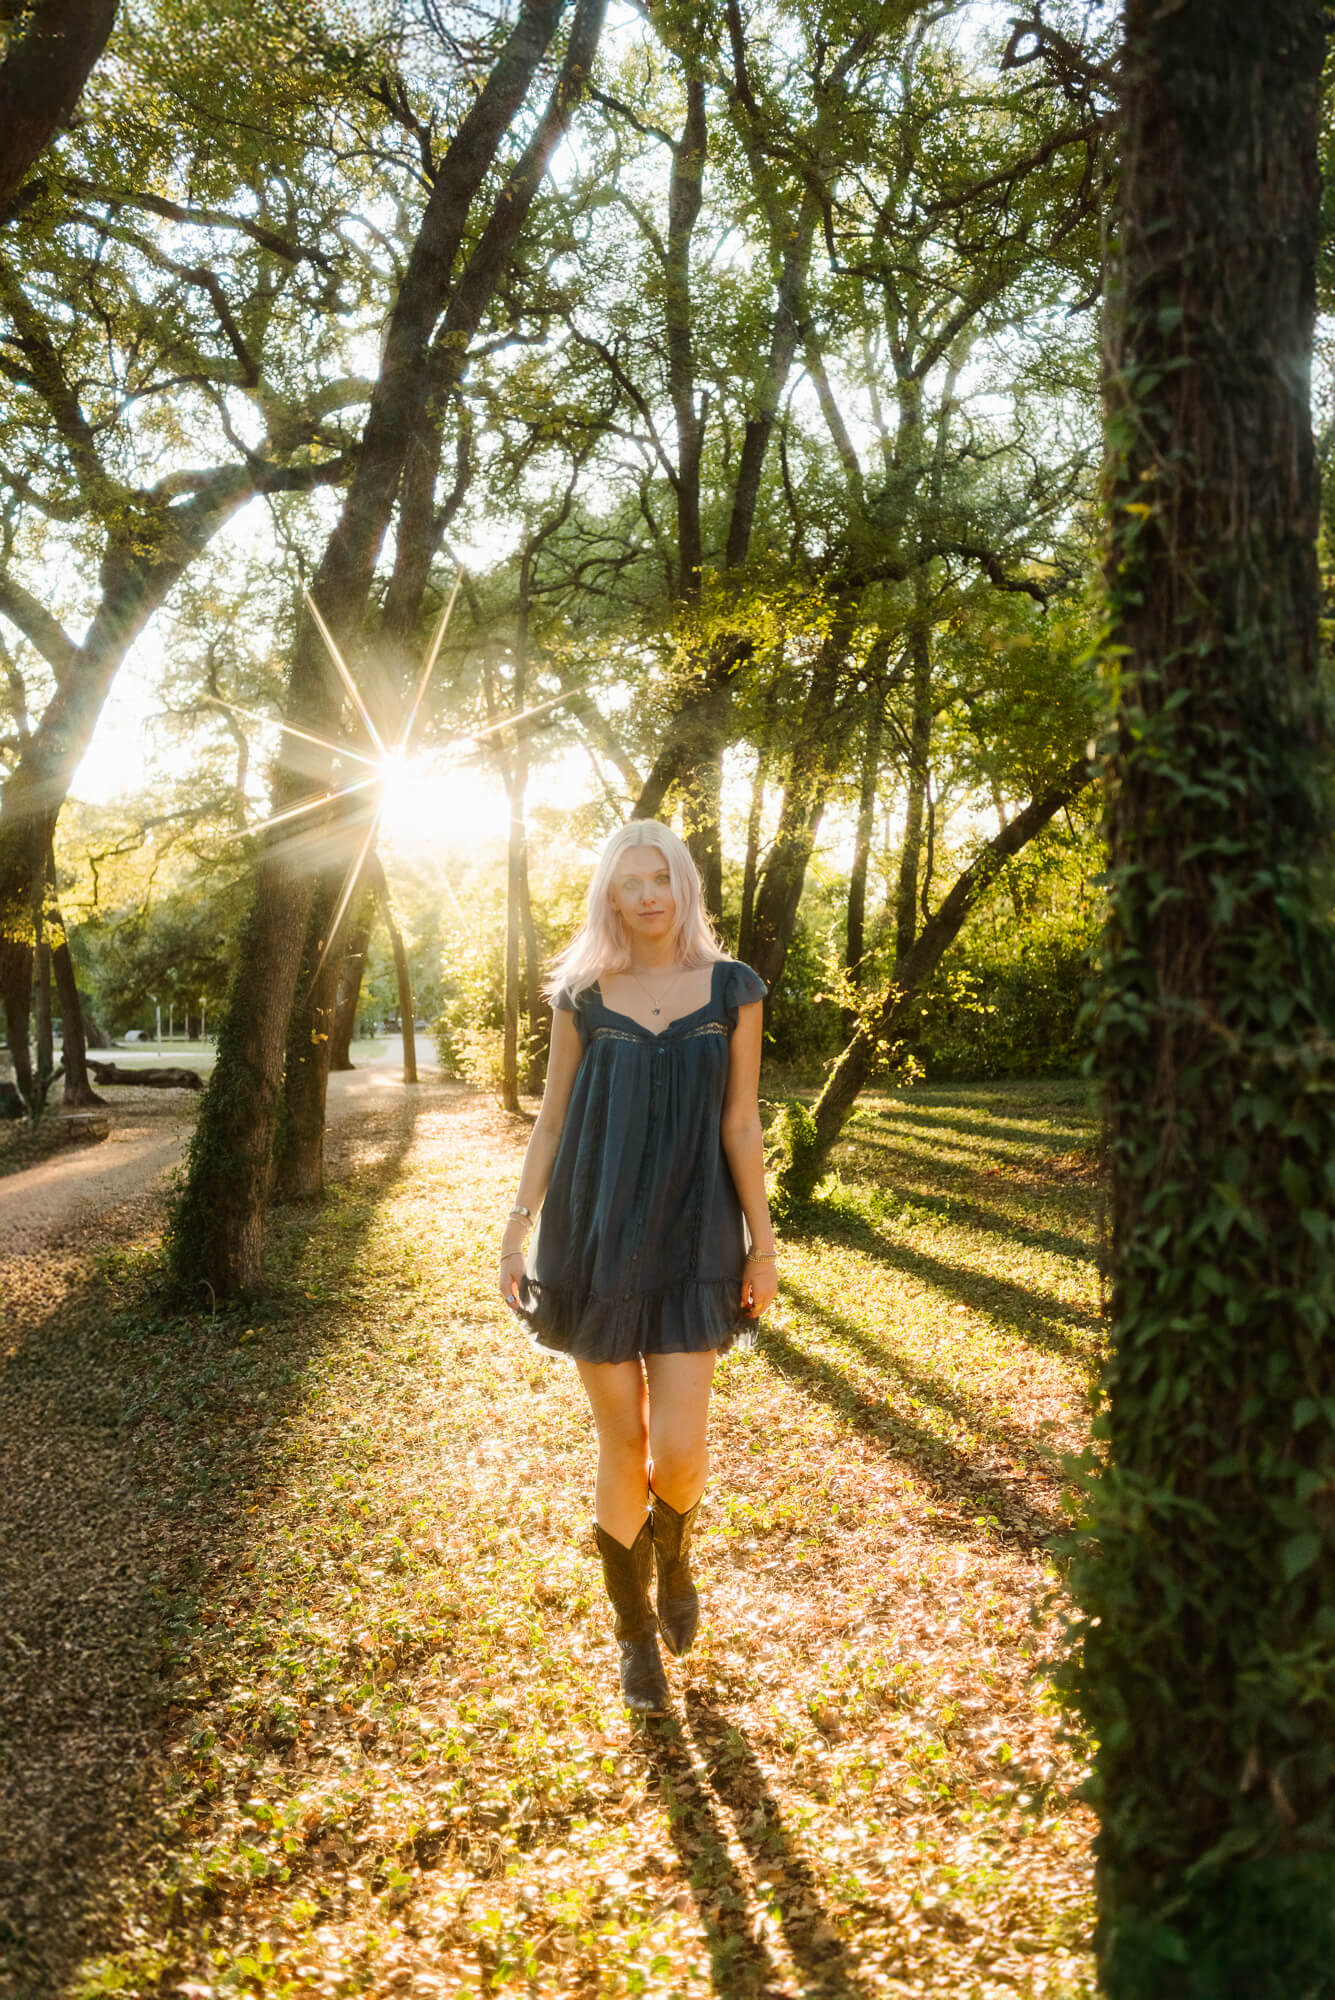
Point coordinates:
[[760, 1286], [512, 1273]]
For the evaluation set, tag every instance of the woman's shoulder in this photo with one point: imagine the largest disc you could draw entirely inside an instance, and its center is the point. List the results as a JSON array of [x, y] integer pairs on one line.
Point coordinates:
[[739, 984], [574, 999]]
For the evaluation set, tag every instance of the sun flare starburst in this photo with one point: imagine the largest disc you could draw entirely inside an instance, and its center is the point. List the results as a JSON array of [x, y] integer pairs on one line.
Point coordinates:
[[401, 782]]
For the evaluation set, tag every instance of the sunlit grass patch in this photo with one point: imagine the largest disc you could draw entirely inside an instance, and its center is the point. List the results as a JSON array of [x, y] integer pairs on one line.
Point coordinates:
[[392, 1756]]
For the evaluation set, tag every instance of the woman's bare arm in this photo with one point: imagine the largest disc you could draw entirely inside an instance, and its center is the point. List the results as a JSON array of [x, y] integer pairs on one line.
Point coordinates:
[[743, 1146], [563, 1060]]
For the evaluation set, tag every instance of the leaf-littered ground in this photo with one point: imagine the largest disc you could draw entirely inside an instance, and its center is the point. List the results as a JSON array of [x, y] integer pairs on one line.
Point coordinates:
[[309, 1687]]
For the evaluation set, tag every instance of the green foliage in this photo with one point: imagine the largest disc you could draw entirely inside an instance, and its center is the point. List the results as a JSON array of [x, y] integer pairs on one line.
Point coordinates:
[[1008, 1003], [804, 1027], [181, 948]]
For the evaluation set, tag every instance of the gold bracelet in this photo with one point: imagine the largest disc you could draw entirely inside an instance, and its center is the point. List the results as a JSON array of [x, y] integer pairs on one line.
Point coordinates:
[[762, 1257]]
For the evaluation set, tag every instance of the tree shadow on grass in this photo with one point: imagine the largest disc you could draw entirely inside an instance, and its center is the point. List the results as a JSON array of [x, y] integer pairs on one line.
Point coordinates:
[[966, 1214], [1028, 1313], [742, 1966], [1013, 1439], [966, 1487], [133, 1443], [1025, 1131]]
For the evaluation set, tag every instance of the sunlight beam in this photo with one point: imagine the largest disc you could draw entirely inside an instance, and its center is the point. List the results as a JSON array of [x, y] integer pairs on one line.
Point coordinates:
[[307, 805], [512, 721], [430, 666], [349, 887], [290, 729], [348, 682]]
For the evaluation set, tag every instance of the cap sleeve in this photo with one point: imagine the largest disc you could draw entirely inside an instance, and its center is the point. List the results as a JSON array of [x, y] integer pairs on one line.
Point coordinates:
[[740, 987], [573, 1003]]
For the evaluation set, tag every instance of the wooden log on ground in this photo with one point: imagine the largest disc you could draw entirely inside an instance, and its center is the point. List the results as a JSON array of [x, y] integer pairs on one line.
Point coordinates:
[[154, 1079]]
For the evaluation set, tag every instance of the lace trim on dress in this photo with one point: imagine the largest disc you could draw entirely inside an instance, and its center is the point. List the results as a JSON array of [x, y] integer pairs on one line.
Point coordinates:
[[620, 1035]]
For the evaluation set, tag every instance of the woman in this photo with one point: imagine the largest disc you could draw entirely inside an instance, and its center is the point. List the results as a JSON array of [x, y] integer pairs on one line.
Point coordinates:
[[656, 1250]]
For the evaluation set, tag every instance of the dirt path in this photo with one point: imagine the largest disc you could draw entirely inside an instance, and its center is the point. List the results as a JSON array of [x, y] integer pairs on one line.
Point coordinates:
[[70, 1193]]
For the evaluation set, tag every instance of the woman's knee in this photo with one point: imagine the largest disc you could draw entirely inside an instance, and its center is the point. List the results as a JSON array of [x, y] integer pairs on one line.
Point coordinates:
[[680, 1461]]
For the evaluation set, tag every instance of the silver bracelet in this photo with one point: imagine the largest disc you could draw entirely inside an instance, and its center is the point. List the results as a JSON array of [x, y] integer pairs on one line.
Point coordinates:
[[762, 1256], [519, 1209]]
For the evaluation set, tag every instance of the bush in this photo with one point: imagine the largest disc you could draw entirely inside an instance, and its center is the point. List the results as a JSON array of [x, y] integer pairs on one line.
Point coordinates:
[[1007, 1005]]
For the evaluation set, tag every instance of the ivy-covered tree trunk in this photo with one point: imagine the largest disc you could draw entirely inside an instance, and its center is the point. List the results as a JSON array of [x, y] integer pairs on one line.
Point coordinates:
[[1206, 1668]]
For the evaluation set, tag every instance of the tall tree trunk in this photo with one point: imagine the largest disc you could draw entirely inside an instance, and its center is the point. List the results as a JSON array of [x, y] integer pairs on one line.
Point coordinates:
[[817, 1132], [349, 995], [41, 78], [217, 1233], [812, 763], [1207, 1671], [855, 936], [702, 826], [46, 1058], [755, 815], [917, 778], [78, 1092], [299, 1139], [402, 973]]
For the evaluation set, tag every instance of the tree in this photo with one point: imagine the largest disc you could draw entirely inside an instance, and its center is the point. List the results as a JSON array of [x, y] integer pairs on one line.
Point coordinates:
[[217, 1232], [41, 77], [227, 364], [1206, 1660]]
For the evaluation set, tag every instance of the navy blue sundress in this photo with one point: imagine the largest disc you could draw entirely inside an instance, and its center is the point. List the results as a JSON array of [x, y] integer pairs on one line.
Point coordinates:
[[641, 1244]]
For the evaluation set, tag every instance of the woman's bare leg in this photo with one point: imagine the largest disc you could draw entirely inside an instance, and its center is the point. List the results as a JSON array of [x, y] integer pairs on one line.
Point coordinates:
[[679, 1386], [616, 1394]]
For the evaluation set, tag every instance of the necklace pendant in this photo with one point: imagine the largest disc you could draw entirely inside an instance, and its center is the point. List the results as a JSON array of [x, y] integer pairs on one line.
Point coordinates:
[[658, 1010]]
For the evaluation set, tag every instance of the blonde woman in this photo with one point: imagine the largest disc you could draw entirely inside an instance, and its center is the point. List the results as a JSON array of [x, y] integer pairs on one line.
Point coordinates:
[[656, 1250]]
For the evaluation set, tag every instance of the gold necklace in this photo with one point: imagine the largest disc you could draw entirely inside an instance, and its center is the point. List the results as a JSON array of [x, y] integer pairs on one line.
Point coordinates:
[[645, 990]]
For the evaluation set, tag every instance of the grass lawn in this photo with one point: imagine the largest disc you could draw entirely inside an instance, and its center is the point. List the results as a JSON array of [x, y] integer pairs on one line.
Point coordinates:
[[308, 1680]]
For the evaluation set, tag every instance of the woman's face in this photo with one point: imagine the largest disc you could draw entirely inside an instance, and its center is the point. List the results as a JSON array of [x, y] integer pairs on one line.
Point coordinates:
[[642, 893]]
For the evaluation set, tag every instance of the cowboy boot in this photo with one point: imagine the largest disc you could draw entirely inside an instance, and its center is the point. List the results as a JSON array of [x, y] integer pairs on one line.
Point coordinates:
[[678, 1599], [626, 1573]]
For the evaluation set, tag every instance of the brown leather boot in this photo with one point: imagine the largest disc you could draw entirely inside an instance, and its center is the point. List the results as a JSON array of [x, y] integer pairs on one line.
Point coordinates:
[[626, 1573], [678, 1599]]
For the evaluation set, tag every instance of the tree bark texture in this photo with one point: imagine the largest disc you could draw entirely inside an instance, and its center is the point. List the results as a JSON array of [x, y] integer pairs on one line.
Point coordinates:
[[855, 933], [1207, 1664], [402, 974], [915, 800], [78, 1093], [815, 755], [350, 977], [220, 1237], [41, 79]]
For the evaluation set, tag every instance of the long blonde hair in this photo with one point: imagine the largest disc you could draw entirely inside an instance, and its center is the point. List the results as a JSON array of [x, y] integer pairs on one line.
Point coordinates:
[[602, 945]]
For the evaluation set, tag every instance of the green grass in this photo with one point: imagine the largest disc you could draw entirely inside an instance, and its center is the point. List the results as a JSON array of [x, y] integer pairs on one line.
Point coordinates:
[[379, 1747]]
